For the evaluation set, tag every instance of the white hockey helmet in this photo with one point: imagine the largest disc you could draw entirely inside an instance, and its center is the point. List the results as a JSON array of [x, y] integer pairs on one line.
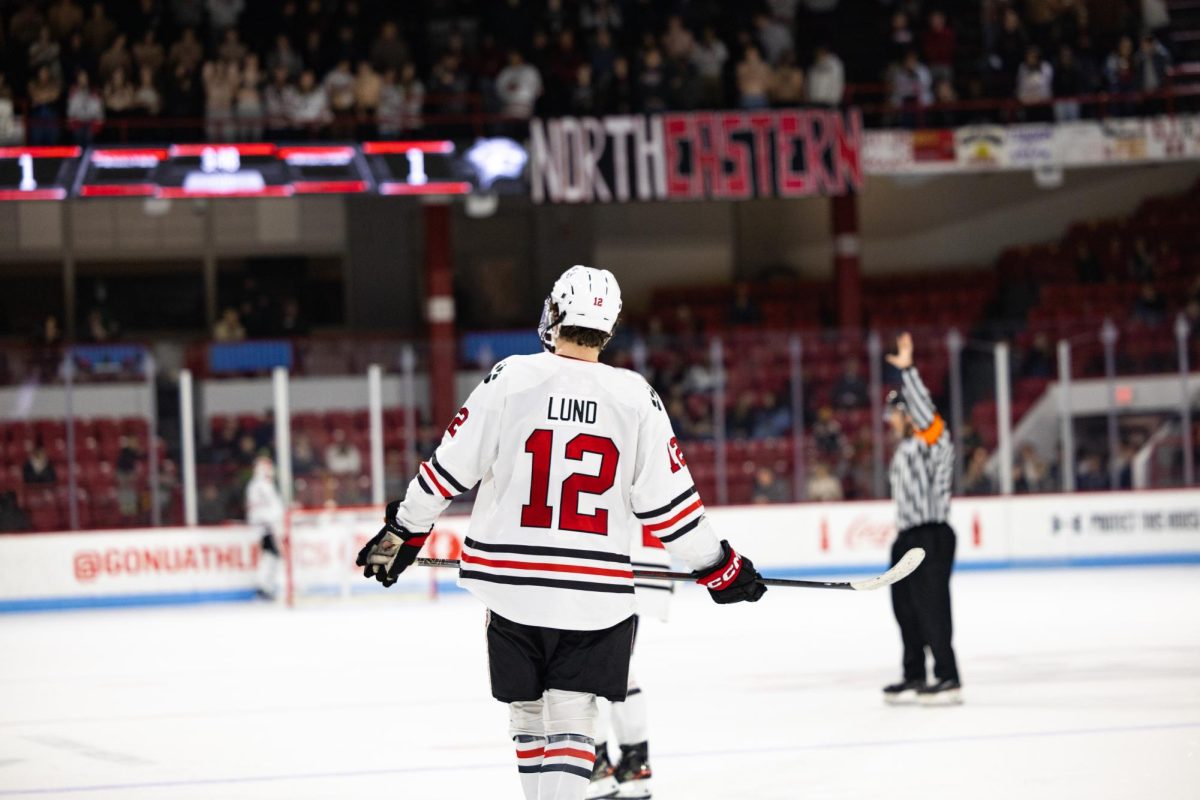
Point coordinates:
[[583, 297]]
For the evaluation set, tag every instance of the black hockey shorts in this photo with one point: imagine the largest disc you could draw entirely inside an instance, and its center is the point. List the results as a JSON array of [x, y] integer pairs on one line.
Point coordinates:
[[526, 660]]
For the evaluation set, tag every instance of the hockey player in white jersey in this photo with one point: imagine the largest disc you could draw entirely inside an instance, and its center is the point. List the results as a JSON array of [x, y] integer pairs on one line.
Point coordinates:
[[574, 458], [628, 721], [264, 509]]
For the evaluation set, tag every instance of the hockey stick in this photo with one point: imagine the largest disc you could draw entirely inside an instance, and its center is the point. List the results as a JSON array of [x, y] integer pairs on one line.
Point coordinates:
[[903, 568]]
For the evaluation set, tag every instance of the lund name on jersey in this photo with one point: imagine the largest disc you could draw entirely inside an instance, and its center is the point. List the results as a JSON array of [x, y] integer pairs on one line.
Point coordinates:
[[571, 409]]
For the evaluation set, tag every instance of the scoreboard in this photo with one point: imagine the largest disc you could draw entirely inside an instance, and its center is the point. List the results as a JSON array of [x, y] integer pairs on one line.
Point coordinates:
[[431, 167], [37, 173]]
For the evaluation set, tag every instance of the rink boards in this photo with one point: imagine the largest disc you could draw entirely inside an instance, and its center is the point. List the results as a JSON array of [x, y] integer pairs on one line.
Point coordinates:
[[205, 564]]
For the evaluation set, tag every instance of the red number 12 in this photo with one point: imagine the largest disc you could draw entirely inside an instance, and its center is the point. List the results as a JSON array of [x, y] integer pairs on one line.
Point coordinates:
[[538, 513]]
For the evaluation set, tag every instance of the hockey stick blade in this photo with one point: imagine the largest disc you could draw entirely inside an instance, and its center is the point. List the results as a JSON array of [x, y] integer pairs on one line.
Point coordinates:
[[903, 568]]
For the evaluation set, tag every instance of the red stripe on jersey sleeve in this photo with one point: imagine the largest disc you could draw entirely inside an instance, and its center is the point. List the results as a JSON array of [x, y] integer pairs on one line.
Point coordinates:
[[438, 484], [542, 566], [658, 526]]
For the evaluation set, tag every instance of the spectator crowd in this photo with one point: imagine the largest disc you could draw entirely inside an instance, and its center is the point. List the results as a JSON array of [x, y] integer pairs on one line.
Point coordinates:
[[232, 70]]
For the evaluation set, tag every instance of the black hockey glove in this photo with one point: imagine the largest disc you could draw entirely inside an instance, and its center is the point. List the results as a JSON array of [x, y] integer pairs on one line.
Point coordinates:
[[732, 579], [391, 551]]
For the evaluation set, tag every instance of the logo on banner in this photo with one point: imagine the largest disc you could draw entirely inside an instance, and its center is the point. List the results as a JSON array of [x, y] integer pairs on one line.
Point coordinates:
[[981, 145], [866, 533]]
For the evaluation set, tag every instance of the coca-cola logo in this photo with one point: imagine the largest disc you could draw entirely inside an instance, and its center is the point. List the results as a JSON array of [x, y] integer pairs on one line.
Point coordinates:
[[867, 533]]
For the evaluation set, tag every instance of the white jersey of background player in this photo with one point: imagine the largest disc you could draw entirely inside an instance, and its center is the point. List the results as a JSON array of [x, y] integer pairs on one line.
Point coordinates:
[[265, 509], [572, 458], [629, 721]]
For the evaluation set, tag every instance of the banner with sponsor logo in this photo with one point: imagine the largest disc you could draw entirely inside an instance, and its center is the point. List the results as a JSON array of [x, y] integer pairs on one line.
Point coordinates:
[[983, 148], [702, 155], [165, 565], [171, 565]]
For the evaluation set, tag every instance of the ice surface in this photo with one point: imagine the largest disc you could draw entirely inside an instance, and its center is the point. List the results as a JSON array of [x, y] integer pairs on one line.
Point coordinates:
[[1079, 684]]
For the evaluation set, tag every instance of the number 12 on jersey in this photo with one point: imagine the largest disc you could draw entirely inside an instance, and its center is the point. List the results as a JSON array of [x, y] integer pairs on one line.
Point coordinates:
[[538, 513]]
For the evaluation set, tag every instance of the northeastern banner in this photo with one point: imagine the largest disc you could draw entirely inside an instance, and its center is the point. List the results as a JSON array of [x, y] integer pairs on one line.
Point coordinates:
[[703, 155]]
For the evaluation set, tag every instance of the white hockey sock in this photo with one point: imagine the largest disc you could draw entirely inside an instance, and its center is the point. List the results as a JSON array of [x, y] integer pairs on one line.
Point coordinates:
[[603, 723], [630, 721], [530, 750], [566, 767]]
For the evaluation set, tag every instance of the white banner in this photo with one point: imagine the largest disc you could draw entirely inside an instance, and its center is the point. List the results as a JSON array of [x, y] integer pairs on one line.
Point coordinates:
[[985, 148], [166, 565]]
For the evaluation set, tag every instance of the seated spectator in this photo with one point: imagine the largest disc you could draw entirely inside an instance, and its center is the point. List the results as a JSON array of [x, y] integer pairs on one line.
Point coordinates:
[[677, 40], [211, 506], [389, 51], [389, 116], [44, 92], [744, 310], [709, 57], [827, 434], [1087, 266], [63, 17], [12, 518], [120, 96], [1141, 261], [341, 456], [787, 84], [304, 458], [1149, 308], [850, 391], [146, 99], [37, 468], [412, 98], [279, 100], [518, 87], [1150, 67], [98, 30], [7, 111], [743, 417], [116, 57], [826, 78], [768, 488], [229, 327], [976, 479], [232, 50], [1120, 74], [584, 101], [339, 86], [311, 109], [943, 114], [753, 80], [938, 47], [1070, 81], [125, 469], [911, 89], [368, 86], [653, 82], [773, 38], [1040, 360], [186, 53], [1035, 83], [291, 321], [45, 53], [901, 38], [248, 104], [619, 96], [1032, 474], [148, 53], [1090, 475], [823, 486], [284, 57], [85, 111], [774, 417]]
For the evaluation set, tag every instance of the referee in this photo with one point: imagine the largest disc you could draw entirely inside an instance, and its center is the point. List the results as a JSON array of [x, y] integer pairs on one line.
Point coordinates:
[[920, 476]]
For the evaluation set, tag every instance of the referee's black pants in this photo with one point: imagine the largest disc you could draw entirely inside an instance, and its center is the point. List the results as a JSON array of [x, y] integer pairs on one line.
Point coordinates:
[[922, 601]]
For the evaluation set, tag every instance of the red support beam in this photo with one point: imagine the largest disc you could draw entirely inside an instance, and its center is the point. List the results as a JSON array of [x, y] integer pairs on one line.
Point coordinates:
[[439, 312], [846, 269]]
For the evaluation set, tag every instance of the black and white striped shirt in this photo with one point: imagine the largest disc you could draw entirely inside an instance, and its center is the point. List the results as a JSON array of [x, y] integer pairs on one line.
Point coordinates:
[[922, 469]]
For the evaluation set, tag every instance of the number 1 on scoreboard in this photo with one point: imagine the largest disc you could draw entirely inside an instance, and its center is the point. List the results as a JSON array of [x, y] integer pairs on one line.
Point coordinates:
[[25, 162]]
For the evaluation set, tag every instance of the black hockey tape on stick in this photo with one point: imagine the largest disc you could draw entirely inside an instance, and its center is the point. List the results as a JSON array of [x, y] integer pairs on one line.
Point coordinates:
[[903, 568]]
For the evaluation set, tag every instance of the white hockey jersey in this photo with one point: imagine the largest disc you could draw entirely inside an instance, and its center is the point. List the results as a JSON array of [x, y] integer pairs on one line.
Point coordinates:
[[577, 462], [264, 505]]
